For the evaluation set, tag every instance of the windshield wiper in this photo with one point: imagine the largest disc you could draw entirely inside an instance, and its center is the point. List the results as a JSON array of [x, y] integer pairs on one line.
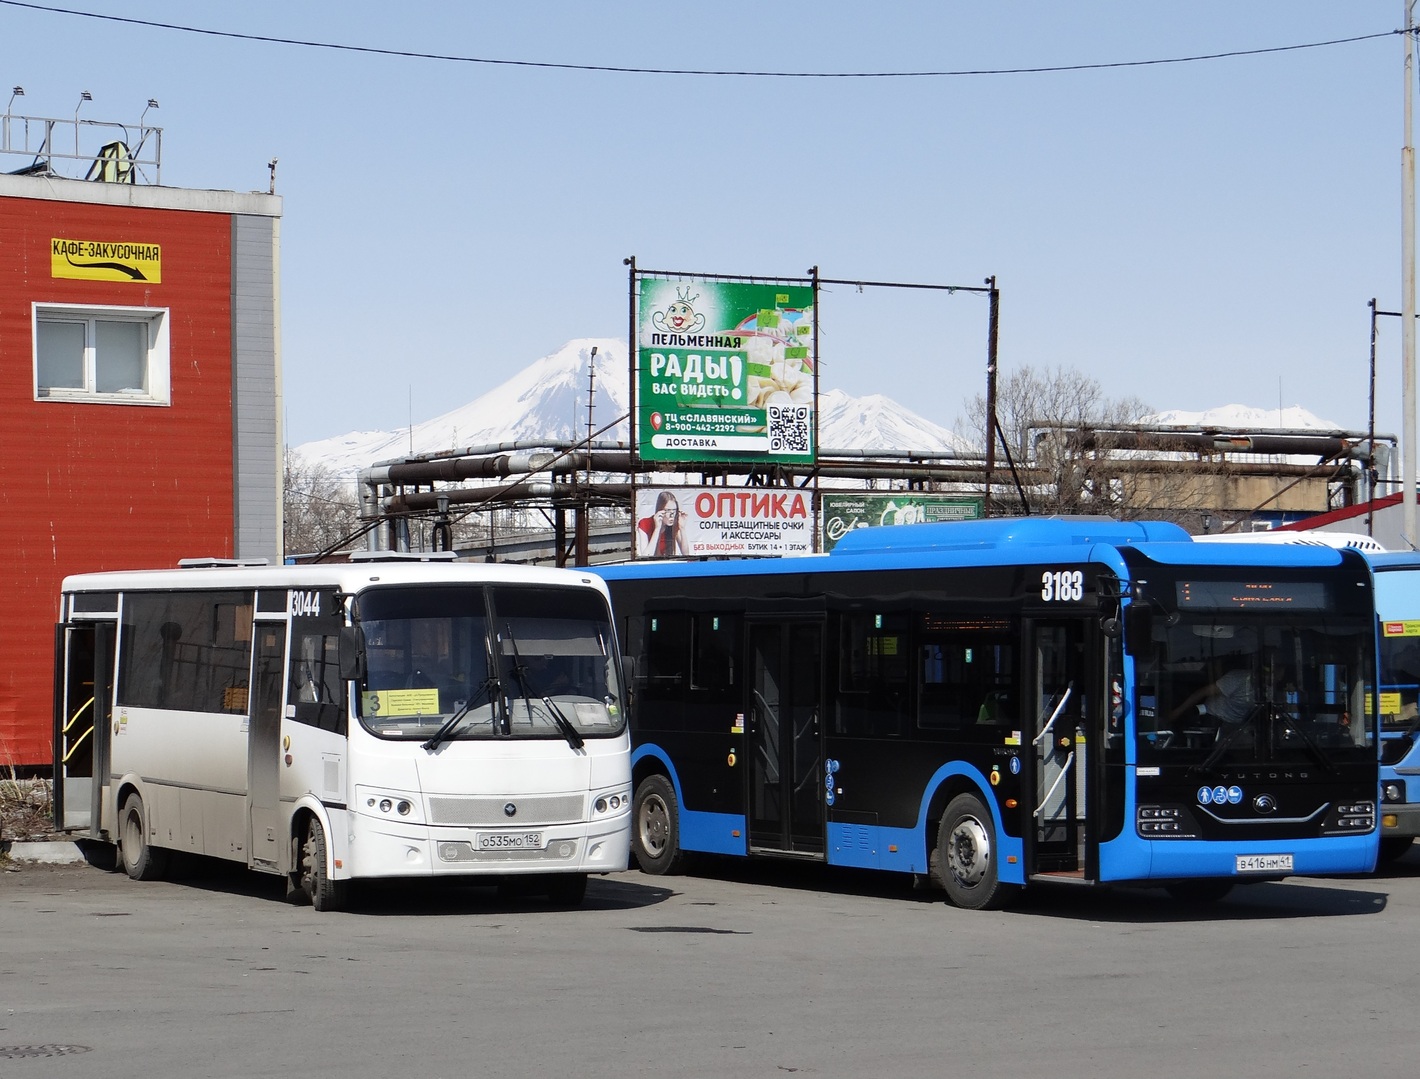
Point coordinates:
[[444, 733], [560, 721]]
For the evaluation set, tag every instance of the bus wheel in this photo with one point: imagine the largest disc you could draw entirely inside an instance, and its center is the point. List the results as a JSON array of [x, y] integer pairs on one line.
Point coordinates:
[[966, 854], [1393, 847], [325, 894], [1200, 891], [140, 861], [655, 831]]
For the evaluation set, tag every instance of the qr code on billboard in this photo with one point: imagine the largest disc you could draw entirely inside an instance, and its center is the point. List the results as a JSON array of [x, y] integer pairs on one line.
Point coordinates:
[[788, 428]]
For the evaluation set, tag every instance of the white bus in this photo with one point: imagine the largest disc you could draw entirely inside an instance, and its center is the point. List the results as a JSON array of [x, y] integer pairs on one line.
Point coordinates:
[[381, 718]]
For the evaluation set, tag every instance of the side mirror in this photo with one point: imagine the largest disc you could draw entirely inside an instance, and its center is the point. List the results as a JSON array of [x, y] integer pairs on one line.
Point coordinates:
[[352, 653], [1138, 629]]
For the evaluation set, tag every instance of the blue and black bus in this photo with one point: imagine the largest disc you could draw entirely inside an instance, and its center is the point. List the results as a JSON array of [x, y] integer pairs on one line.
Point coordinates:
[[1398, 609], [992, 703]]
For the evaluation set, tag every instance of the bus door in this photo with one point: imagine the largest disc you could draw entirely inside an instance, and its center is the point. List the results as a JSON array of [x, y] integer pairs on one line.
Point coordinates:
[[264, 745], [83, 712], [1059, 695], [785, 740]]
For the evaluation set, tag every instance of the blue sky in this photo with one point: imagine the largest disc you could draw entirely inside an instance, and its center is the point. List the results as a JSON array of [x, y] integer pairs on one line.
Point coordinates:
[[1191, 234]]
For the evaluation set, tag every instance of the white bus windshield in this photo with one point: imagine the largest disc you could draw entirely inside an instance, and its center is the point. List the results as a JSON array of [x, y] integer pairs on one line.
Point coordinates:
[[471, 662]]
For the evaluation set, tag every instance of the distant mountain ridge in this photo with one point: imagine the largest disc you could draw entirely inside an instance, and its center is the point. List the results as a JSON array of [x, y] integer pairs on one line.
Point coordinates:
[[546, 402]]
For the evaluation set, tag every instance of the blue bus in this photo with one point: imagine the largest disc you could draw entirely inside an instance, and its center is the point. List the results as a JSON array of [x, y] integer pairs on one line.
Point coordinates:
[[991, 703], [1398, 610]]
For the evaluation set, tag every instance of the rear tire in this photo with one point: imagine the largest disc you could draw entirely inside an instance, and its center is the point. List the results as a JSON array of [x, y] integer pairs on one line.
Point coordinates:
[[655, 830], [325, 894], [141, 861], [1393, 847], [966, 856]]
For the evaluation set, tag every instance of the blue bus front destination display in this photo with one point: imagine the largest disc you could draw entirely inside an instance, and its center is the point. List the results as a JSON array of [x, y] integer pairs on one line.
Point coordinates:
[[990, 703]]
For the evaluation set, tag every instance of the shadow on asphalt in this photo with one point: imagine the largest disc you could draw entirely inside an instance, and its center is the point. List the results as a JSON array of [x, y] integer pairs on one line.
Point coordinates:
[[1296, 897], [420, 897]]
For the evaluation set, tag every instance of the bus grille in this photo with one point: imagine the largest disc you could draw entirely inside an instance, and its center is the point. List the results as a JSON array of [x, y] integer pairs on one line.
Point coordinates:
[[483, 812], [559, 851]]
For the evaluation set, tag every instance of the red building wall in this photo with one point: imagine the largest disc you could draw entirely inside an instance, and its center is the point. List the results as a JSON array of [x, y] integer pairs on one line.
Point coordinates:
[[90, 486]]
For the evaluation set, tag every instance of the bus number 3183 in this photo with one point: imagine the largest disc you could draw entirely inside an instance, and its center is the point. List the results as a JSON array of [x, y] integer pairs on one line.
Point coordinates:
[[1062, 586]]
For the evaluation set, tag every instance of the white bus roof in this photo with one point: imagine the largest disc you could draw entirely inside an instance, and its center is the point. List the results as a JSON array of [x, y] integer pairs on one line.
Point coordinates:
[[1357, 540], [346, 576]]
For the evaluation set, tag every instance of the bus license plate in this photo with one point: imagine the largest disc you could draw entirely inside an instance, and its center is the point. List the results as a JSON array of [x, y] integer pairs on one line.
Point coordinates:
[[1264, 863], [510, 841]]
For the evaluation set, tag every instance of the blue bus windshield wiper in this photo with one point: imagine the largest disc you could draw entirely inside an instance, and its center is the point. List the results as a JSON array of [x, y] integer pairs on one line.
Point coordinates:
[[444, 733]]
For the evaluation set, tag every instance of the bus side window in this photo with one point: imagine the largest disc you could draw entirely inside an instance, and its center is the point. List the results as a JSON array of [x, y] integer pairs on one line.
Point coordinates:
[[667, 665], [873, 674], [966, 674], [316, 690], [186, 650], [715, 642]]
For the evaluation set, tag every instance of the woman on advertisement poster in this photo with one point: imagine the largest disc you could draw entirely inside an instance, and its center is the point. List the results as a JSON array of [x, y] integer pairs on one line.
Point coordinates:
[[664, 533]]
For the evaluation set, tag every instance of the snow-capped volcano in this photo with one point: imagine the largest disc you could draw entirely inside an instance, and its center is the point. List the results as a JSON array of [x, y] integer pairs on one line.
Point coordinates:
[[547, 402], [1244, 418]]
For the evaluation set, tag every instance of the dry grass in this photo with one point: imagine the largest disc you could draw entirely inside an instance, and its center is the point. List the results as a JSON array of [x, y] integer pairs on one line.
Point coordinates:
[[26, 808]]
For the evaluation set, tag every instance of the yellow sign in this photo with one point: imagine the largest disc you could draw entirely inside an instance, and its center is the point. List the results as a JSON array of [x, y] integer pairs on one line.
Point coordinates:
[[401, 702], [1400, 629], [101, 260]]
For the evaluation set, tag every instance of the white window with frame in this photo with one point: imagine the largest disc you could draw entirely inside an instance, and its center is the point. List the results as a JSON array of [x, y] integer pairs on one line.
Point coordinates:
[[113, 355]]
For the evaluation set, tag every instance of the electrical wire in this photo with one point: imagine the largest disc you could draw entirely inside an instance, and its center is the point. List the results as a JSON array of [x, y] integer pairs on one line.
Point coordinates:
[[702, 72]]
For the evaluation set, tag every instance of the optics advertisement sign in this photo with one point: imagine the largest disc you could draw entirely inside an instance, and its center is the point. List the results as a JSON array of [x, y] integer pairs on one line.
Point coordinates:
[[724, 370], [691, 522]]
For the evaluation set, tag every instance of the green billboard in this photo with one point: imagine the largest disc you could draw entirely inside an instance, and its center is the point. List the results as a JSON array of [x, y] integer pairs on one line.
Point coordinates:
[[844, 512], [724, 370]]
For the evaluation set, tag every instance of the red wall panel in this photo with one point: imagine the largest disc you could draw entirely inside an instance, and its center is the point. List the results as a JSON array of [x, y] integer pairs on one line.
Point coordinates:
[[105, 486]]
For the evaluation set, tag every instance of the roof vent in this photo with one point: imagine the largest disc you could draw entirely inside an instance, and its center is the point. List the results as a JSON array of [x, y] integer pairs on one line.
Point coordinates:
[[221, 563], [403, 556]]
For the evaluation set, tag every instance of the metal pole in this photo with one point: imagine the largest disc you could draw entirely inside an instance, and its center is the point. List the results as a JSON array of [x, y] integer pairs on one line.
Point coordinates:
[[993, 324], [814, 543], [631, 343], [1371, 434], [1407, 286]]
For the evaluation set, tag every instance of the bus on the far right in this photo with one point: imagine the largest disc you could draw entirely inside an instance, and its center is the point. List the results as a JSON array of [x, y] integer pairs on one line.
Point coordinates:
[[1397, 583]]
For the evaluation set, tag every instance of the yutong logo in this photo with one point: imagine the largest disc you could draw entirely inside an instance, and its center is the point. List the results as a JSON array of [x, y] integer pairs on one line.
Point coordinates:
[[510, 810], [1263, 773]]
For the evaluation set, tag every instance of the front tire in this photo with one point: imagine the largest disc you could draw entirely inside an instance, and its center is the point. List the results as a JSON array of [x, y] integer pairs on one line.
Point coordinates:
[[655, 831], [140, 860], [325, 894], [966, 856]]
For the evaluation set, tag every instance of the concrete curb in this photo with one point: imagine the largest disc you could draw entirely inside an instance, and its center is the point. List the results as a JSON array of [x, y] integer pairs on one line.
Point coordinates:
[[53, 853]]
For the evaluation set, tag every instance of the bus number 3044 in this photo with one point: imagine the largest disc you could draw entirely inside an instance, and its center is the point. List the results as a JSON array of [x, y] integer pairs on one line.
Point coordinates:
[[305, 604], [1062, 586]]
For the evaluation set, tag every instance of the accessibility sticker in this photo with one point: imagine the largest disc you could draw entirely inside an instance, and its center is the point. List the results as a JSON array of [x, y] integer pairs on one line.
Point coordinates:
[[102, 260]]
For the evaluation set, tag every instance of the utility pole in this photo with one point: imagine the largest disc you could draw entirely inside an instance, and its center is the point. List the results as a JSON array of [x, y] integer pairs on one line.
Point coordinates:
[[1407, 288]]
